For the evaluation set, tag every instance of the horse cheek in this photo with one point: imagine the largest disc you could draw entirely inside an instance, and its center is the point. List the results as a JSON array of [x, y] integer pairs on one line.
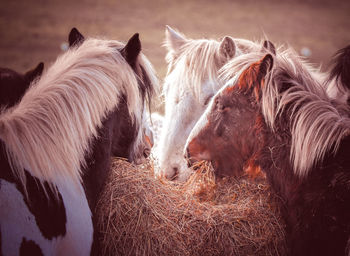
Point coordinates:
[[219, 130]]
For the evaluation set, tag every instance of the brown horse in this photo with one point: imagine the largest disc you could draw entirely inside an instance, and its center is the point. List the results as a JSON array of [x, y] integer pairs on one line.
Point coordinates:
[[273, 111]]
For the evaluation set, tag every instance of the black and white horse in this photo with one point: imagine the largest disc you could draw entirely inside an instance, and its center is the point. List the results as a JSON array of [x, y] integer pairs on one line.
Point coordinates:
[[56, 144]]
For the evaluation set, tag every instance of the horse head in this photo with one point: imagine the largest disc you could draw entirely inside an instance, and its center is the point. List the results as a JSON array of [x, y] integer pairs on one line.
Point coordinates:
[[272, 112], [13, 85], [227, 134], [124, 129]]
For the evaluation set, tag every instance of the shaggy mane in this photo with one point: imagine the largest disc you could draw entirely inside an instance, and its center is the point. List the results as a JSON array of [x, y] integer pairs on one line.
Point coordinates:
[[338, 82], [197, 61], [49, 131], [293, 87], [341, 66]]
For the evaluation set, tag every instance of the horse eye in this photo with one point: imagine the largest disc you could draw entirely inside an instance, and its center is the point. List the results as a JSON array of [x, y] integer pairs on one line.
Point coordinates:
[[146, 153], [208, 99], [222, 107]]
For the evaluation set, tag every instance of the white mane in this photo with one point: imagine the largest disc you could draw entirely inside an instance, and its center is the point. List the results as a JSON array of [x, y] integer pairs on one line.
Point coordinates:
[[49, 131], [317, 122], [197, 61], [191, 81]]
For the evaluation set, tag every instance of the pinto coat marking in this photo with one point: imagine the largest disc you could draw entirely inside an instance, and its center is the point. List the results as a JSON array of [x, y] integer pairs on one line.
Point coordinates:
[[46, 206], [29, 248], [78, 93]]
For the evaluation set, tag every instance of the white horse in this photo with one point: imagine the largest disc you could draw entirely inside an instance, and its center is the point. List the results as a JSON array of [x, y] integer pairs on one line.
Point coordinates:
[[192, 79]]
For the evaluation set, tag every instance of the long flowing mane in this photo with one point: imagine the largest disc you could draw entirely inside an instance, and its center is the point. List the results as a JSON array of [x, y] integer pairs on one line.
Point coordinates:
[[49, 131], [197, 61], [148, 86], [292, 88]]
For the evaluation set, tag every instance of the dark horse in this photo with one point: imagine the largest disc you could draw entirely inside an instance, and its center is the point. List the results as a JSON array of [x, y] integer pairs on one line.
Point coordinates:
[[121, 127], [13, 84], [56, 144], [273, 112], [339, 79]]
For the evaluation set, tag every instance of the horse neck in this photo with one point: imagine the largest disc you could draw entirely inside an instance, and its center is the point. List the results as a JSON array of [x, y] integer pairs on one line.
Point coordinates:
[[97, 166], [113, 140], [316, 205], [275, 162], [274, 159], [339, 161], [123, 132]]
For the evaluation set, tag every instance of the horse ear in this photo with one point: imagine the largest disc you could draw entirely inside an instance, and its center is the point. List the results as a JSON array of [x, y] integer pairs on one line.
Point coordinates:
[[227, 47], [265, 66], [341, 66], [269, 46], [132, 50], [34, 73], [75, 38], [173, 39], [251, 79]]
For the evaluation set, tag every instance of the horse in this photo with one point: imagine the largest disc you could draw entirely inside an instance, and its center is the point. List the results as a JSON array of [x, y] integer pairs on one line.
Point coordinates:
[[57, 142], [272, 111], [338, 82], [13, 84], [93, 178], [190, 82]]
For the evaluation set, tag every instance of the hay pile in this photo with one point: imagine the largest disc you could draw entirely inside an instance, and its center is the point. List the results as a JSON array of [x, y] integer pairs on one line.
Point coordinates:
[[142, 215]]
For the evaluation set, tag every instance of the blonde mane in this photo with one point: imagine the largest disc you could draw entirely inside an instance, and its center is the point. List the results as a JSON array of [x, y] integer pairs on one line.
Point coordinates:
[[317, 122], [197, 61], [49, 131]]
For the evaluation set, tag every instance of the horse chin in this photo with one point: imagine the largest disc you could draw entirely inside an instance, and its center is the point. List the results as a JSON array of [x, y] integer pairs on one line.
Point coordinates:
[[184, 174], [223, 169]]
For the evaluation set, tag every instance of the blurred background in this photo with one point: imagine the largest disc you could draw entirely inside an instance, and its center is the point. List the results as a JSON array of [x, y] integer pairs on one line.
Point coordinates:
[[33, 31]]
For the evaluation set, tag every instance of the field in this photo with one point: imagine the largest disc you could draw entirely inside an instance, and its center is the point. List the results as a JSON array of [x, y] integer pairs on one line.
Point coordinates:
[[33, 31]]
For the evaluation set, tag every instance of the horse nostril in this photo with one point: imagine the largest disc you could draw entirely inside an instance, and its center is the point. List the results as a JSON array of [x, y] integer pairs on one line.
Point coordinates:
[[146, 152], [175, 174], [187, 157]]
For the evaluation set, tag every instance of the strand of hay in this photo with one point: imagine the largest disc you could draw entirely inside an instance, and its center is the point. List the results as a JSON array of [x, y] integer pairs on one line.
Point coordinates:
[[142, 215]]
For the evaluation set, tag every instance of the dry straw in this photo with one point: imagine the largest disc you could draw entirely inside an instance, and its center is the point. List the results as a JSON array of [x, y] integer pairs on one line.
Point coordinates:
[[143, 215]]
